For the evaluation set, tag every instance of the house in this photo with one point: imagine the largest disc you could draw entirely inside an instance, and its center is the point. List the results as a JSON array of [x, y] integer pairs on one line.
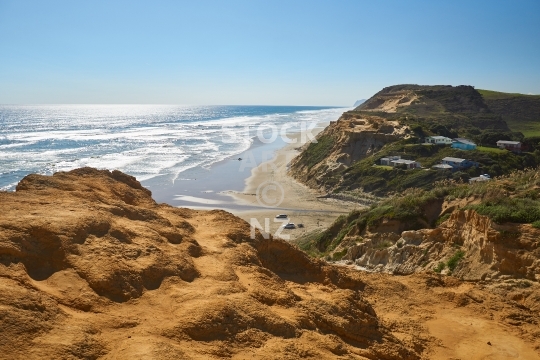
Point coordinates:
[[408, 164], [514, 146], [388, 160], [438, 140], [442, 167], [484, 177], [463, 144], [458, 163]]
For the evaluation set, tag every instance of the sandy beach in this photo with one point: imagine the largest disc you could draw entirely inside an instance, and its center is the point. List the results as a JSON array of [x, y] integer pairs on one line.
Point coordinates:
[[255, 186], [285, 195]]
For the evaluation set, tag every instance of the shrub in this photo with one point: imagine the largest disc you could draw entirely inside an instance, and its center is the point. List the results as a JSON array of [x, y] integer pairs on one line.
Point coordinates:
[[339, 255], [504, 209], [442, 219], [455, 259], [316, 152], [440, 267], [383, 245]]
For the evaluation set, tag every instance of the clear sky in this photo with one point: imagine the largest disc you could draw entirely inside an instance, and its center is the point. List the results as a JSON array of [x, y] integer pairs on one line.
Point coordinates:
[[277, 52]]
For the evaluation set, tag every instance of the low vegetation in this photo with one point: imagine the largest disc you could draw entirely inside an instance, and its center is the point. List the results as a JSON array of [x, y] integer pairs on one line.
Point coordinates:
[[384, 181], [521, 112], [440, 267], [317, 151], [453, 262], [510, 198], [407, 198], [459, 111]]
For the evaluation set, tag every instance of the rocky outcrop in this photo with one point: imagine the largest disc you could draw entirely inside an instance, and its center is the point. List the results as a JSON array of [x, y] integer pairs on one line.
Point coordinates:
[[350, 139], [395, 113], [479, 248], [92, 267]]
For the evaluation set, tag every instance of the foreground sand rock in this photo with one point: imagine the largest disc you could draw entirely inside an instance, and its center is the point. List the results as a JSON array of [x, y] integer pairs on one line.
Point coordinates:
[[91, 267]]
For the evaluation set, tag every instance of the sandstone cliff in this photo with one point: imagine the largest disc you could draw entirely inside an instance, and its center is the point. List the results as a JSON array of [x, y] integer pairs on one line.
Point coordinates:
[[394, 122], [484, 250], [91, 267], [343, 142]]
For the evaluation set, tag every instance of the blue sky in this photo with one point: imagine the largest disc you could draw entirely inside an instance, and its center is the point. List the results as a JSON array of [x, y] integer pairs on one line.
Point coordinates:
[[260, 52]]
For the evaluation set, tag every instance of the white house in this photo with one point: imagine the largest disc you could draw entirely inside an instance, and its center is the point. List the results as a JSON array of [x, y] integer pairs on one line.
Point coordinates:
[[514, 146], [409, 164], [484, 177], [388, 160], [438, 140]]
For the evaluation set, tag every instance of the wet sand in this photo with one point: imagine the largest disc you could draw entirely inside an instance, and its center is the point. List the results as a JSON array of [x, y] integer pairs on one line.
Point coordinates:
[[285, 195], [256, 189]]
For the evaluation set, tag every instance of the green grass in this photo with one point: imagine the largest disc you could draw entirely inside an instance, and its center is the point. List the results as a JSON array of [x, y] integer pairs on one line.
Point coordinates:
[[455, 259], [316, 152], [491, 150], [440, 267], [510, 198], [383, 180], [491, 95], [383, 245], [442, 219], [505, 209], [521, 112], [530, 129], [339, 255], [385, 167]]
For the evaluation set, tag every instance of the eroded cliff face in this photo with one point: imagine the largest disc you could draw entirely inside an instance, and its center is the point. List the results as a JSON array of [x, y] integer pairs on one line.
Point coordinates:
[[343, 142], [91, 267], [481, 249]]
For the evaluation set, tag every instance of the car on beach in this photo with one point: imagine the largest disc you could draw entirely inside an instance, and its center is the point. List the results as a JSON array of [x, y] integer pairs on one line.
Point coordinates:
[[289, 226], [281, 216]]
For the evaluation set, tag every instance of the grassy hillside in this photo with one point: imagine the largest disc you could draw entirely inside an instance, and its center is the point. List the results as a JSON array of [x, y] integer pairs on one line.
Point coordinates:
[[510, 198], [459, 111], [521, 112], [441, 109], [382, 180]]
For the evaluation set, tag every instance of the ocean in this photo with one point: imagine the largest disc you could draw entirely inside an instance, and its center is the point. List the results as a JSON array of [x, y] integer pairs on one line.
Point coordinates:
[[146, 141]]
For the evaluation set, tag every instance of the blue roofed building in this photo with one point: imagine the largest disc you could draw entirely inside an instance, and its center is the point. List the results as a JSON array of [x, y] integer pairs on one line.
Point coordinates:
[[463, 144]]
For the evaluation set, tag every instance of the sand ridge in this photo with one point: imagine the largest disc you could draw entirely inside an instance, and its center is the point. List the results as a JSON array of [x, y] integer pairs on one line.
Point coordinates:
[[91, 267]]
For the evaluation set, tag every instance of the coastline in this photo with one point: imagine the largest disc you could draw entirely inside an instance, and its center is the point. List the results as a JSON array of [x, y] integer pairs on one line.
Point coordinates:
[[301, 203], [232, 184]]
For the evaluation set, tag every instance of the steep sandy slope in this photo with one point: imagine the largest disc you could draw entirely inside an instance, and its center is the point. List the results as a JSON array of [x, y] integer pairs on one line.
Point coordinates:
[[91, 267], [485, 250], [452, 319], [343, 142]]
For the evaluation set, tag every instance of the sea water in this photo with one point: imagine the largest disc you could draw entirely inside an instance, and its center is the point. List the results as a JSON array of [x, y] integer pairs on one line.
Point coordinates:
[[146, 141]]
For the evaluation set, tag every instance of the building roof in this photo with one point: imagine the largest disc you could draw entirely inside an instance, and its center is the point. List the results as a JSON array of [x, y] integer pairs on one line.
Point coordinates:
[[442, 166], [403, 161], [479, 178], [464, 141], [508, 142], [439, 137], [391, 157], [453, 159]]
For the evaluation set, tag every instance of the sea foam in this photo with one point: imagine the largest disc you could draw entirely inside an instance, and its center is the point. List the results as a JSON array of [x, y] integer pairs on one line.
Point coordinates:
[[142, 140]]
